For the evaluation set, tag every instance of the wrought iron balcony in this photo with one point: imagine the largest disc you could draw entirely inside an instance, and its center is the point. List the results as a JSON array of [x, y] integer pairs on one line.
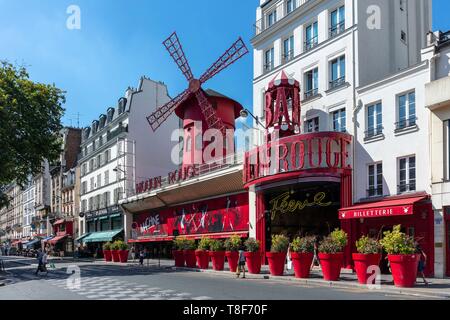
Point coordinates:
[[337, 82], [374, 132], [269, 67], [406, 123], [311, 93], [117, 132], [288, 56], [337, 29], [404, 188], [311, 44], [375, 192]]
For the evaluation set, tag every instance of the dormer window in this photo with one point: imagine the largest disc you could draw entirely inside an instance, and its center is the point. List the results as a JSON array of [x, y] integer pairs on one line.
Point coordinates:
[[94, 127], [87, 131], [102, 121], [122, 104], [110, 114]]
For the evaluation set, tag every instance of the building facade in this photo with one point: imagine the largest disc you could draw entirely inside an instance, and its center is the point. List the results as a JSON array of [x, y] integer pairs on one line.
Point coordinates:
[[29, 211], [116, 152]]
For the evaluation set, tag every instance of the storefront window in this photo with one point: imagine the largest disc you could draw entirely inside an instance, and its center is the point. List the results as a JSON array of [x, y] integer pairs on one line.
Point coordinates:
[[104, 225], [116, 223]]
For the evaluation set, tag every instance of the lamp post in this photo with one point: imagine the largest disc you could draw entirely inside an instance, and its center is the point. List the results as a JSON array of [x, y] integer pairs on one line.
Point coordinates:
[[245, 113]]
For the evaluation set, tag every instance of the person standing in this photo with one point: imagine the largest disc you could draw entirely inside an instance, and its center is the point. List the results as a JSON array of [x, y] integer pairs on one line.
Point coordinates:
[[39, 259], [422, 263], [241, 264], [141, 257], [316, 259], [44, 262]]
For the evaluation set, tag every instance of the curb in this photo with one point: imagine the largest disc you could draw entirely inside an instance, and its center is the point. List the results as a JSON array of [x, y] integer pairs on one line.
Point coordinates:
[[330, 284]]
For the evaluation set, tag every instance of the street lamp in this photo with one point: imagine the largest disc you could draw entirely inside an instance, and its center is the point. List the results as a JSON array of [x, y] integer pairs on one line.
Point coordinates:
[[245, 113]]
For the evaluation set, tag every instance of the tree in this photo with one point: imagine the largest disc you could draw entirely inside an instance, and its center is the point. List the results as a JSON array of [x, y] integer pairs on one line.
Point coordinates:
[[30, 122]]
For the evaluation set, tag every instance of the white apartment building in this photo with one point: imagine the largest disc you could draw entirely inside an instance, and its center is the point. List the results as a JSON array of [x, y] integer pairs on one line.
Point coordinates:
[[118, 151], [29, 211], [362, 71]]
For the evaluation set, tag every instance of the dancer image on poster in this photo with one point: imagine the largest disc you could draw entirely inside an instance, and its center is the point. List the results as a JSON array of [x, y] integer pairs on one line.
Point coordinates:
[[204, 212], [227, 219]]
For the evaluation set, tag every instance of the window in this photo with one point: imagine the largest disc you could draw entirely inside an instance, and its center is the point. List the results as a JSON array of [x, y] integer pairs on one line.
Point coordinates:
[[118, 195], [339, 121], [337, 21], [311, 83], [288, 49], [107, 156], [272, 18], [290, 6], [337, 75], [91, 204], [107, 199], [374, 120], [84, 187], [91, 165], [406, 111], [99, 160], [99, 181], [375, 180], [312, 125], [407, 174], [106, 177], [311, 36], [92, 184], [269, 63]]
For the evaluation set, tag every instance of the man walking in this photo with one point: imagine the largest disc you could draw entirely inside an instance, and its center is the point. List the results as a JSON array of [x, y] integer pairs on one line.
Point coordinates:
[[39, 257]]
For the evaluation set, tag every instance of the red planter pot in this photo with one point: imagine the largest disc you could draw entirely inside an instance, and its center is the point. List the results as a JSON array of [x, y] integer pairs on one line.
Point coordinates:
[[178, 255], [189, 257], [218, 260], [202, 259], [108, 255], [123, 256], [233, 260], [302, 264], [331, 265], [115, 255], [277, 262], [253, 260], [362, 264], [404, 269]]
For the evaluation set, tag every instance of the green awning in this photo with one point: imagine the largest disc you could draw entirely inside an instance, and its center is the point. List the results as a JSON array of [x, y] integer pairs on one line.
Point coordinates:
[[103, 218], [102, 236], [115, 215], [82, 237]]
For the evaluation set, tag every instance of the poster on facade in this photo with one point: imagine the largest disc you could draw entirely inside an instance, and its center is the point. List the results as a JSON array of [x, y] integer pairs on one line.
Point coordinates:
[[226, 214]]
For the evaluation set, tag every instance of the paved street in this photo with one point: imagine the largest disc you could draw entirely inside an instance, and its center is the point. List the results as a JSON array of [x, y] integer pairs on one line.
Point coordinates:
[[115, 282]]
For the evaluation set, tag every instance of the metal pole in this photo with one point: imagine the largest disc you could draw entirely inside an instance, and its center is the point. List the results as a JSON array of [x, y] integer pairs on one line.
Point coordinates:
[[159, 256]]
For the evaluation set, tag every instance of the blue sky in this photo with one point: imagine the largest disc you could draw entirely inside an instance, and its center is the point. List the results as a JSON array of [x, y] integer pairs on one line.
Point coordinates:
[[121, 40]]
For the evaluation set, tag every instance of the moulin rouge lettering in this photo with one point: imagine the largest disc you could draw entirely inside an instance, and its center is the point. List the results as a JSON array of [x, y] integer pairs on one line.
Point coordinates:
[[176, 176], [283, 204]]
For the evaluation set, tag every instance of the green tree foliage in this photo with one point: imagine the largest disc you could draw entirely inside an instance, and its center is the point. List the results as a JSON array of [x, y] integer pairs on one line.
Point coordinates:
[[30, 122]]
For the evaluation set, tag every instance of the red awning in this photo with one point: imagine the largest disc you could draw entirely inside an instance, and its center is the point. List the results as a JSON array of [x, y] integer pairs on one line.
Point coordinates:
[[387, 208], [59, 222], [16, 242], [57, 239], [191, 236]]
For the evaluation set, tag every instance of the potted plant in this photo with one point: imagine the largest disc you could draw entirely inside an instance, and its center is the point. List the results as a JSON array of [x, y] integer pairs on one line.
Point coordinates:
[[107, 252], [369, 254], [253, 255], [178, 254], [277, 254], [232, 246], [217, 254], [302, 254], [202, 253], [402, 258], [189, 252], [123, 251], [115, 248], [331, 254]]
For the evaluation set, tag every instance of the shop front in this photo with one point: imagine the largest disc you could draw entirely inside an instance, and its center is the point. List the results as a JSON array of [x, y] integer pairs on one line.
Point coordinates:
[[414, 212], [300, 183], [214, 218], [62, 243], [104, 225]]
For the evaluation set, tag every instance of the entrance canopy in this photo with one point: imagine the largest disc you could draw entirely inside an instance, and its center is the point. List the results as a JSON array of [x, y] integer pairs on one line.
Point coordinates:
[[57, 239], [82, 237], [32, 242], [106, 236], [387, 208]]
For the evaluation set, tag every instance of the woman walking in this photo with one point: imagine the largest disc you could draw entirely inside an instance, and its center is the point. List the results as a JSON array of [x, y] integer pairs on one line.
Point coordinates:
[[241, 264]]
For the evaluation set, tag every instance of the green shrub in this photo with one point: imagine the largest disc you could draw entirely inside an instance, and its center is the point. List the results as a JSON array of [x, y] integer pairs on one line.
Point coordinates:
[[367, 245], [216, 246], [107, 246], [204, 244], [303, 245], [233, 243], [115, 246], [252, 245], [396, 242], [119, 245], [334, 243], [179, 243], [280, 243], [189, 244]]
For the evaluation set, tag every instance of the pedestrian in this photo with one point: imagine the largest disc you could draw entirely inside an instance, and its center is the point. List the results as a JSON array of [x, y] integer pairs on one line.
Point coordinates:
[[44, 263], [241, 264], [289, 259], [316, 259], [141, 257], [422, 262], [39, 259], [133, 252]]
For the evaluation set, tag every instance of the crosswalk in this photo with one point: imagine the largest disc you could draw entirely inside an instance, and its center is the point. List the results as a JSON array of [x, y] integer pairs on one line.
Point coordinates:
[[99, 283]]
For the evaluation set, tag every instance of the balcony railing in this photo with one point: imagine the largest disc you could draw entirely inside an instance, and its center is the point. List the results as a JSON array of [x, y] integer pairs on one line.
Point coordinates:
[[406, 123], [288, 56], [403, 187], [117, 132], [311, 44], [375, 192], [282, 12], [311, 93], [269, 67], [337, 82], [337, 29], [374, 132]]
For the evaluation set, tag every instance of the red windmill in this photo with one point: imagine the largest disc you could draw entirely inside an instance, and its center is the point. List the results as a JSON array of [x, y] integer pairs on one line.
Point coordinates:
[[208, 112]]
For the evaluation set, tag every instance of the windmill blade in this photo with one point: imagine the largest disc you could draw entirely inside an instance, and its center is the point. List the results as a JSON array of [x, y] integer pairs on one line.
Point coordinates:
[[234, 53], [157, 118], [175, 49], [210, 115]]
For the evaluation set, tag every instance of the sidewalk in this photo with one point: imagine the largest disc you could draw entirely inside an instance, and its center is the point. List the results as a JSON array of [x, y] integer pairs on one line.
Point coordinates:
[[438, 288]]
